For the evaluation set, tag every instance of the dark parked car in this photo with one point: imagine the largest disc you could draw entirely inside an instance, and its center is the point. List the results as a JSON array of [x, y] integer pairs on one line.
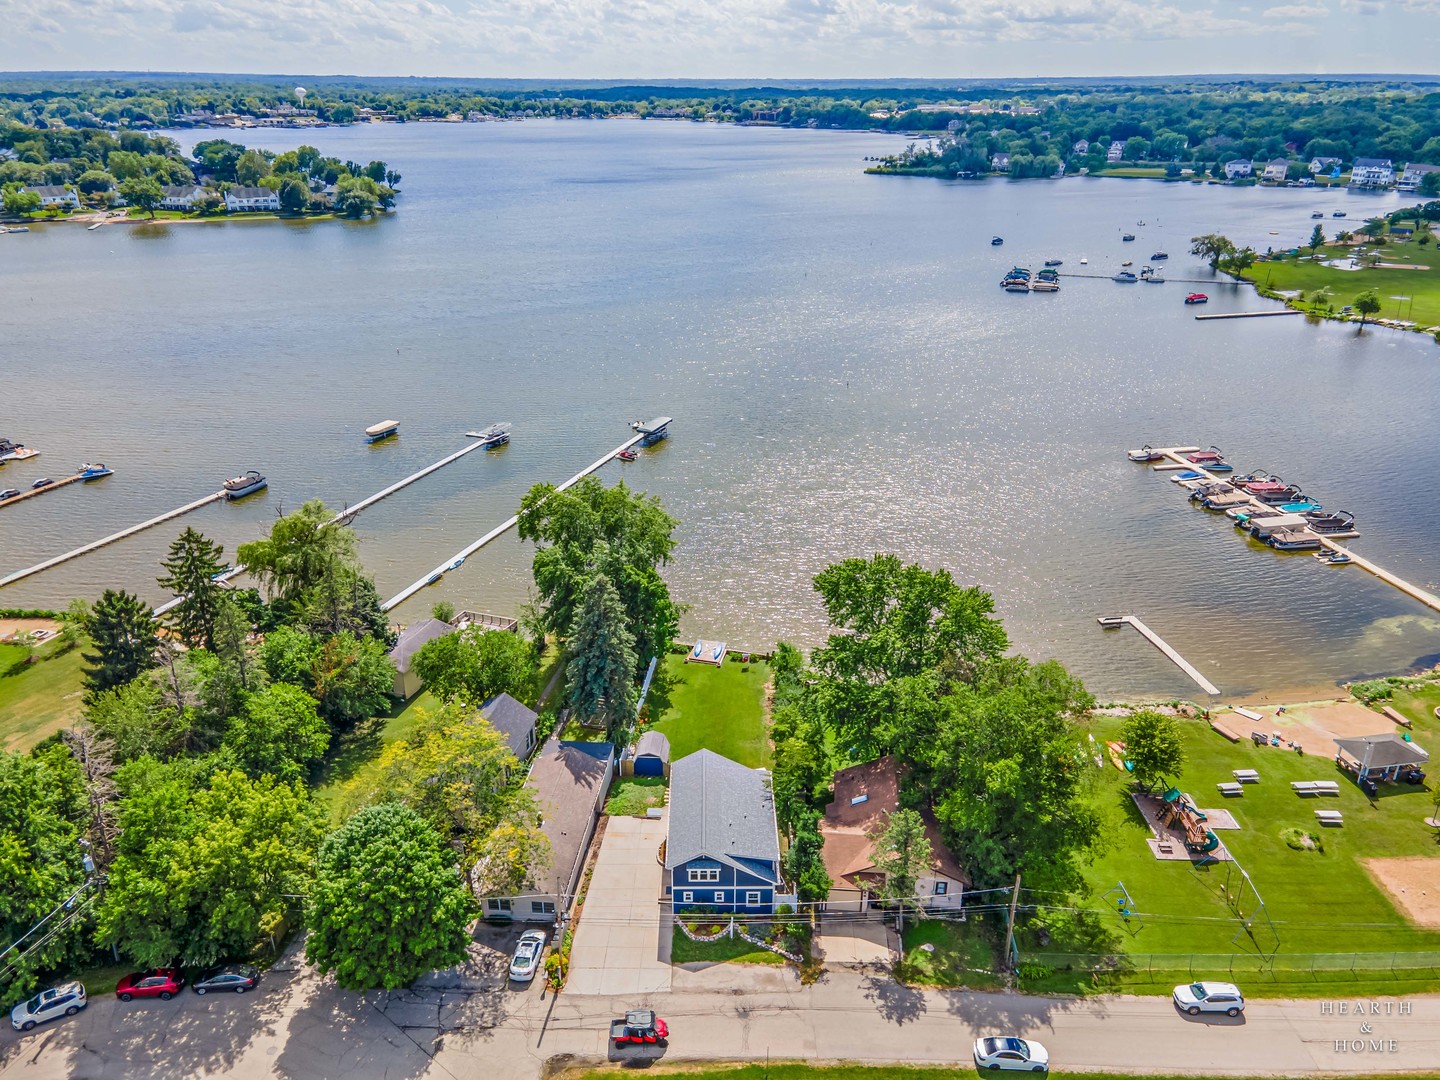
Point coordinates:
[[234, 978]]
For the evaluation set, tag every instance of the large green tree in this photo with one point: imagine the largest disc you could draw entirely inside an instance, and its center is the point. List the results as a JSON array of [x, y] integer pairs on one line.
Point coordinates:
[[388, 903], [143, 193], [602, 661], [1153, 746], [300, 551], [205, 866], [353, 677], [475, 664], [902, 854], [1212, 247], [124, 636], [1367, 304], [190, 571], [590, 529], [1008, 776], [279, 733]]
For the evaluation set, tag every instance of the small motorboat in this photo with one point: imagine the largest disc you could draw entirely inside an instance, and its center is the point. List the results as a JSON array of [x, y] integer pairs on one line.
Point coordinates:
[[1125, 277], [1188, 474], [493, 437], [1128, 262], [1318, 214], [1303, 506], [1128, 237], [627, 455], [1016, 285], [1084, 262], [1271, 485], [1159, 256], [1333, 558], [1153, 275], [1045, 285], [1197, 298], [1338, 213], [1259, 476], [1145, 453], [1323, 522], [996, 241], [1054, 262], [237, 487], [456, 564], [1288, 494], [382, 430], [1293, 540], [93, 472], [1210, 459]]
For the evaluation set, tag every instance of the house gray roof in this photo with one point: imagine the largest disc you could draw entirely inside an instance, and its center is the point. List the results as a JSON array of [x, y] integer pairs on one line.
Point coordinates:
[[1372, 163], [566, 779], [512, 719], [720, 810], [239, 192], [1421, 167], [1386, 750], [180, 191], [412, 637], [655, 743], [49, 191]]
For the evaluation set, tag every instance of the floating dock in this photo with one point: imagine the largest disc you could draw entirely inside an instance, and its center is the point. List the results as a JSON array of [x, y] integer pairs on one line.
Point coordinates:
[[32, 492], [1160, 643], [1249, 314], [85, 549], [505, 526]]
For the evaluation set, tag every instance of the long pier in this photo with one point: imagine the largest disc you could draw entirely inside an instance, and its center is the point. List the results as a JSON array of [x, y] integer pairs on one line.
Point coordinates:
[[348, 514], [32, 492], [1160, 643], [1250, 314], [85, 549], [505, 526], [1179, 280], [1425, 597]]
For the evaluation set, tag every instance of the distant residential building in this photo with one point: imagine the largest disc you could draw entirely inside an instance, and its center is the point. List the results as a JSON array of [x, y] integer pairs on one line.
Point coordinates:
[[1413, 173], [1082, 147], [1116, 151], [1275, 170], [1372, 172], [54, 195], [1239, 169], [1000, 163], [182, 197], [1324, 165], [1028, 110], [251, 198]]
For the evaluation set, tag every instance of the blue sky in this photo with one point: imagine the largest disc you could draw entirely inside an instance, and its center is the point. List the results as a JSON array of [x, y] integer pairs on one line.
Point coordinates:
[[655, 39]]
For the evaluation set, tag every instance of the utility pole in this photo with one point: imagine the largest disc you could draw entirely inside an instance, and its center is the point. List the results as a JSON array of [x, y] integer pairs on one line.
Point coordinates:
[[1010, 930]]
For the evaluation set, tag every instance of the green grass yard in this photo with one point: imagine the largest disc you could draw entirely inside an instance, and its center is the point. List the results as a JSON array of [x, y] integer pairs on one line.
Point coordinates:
[[39, 699], [959, 955], [357, 753], [698, 706], [724, 951], [633, 795]]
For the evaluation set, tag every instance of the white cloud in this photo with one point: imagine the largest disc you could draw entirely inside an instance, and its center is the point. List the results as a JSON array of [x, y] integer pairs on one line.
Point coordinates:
[[1296, 11]]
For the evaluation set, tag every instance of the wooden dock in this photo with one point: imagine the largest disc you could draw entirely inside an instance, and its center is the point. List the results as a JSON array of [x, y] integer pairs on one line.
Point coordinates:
[[85, 549], [1160, 643], [454, 562], [33, 492], [1177, 280], [1249, 314]]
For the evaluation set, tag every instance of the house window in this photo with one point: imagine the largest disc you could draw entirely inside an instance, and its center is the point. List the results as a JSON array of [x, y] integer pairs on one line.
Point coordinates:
[[752, 899], [941, 888], [542, 907], [712, 874], [498, 905], [687, 897], [719, 897]]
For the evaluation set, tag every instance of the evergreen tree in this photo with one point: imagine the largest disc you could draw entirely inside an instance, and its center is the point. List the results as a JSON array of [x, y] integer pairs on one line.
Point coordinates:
[[124, 635], [190, 574], [601, 669]]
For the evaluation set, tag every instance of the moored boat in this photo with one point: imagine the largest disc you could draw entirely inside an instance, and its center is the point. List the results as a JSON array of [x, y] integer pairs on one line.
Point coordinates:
[[1045, 285], [1211, 460], [383, 430], [1188, 474], [1125, 277], [627, 455], [494, 436], [93, 472], [1301, 506], [1197, 298], [652, 431], [1128, 237], [1016, 285], [1333, 558], [1054, 262], [1323, 522], [1318, 213], [1159, 256], [237, 487], [1296, 539], [1145, 453], [996, 241]]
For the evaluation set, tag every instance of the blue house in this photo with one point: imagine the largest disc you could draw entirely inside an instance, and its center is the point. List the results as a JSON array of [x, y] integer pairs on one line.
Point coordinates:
[[723, 852]]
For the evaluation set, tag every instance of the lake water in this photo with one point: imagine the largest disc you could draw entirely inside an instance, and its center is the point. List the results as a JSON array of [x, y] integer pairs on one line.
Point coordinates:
[[844, 375]]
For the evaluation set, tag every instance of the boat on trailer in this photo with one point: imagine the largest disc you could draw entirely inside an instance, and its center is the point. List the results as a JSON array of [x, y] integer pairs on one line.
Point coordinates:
[[237, 487], [383, 430]]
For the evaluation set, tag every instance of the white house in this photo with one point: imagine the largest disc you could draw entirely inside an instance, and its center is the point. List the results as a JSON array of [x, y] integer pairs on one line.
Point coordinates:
[[55, 195], [1275, 170], [1372, 172], [251, 198], [182, 197], [1325, 165], [1116, 151], [1412, 175], [1081, 147], [1238, 169], [1000, 163]]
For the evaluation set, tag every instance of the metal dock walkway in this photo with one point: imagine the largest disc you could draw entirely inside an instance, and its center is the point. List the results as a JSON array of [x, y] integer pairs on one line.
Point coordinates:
[[1160, 643], [85, 549], [460, 556], [1249, 314]]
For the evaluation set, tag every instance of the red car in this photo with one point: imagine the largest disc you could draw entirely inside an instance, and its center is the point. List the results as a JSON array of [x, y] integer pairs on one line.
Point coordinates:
[[639, 1026], [163, 983]]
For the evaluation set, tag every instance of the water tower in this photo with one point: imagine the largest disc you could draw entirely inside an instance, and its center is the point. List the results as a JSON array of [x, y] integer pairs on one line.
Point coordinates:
[[300, 94]]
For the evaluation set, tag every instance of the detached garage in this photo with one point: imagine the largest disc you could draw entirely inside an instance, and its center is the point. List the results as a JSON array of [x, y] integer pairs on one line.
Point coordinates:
[[652, 755]]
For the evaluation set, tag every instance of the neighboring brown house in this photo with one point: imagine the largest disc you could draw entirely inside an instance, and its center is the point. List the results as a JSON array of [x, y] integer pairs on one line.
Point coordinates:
[[865, 797]]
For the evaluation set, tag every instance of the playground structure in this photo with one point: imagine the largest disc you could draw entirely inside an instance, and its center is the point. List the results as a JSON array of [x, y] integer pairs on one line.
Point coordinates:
[[1124, 904], [1179, 812]]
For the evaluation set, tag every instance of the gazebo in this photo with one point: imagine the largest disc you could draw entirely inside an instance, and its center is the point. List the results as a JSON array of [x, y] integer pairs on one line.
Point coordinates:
[[1380, 757]]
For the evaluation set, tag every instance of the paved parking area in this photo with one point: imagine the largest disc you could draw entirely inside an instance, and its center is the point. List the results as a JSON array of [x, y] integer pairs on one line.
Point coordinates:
[[622, 945]]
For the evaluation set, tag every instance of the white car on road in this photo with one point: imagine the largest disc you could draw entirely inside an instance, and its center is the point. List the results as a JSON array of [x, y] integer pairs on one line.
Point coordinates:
[[1001, 1052], [66, 1000], [527, 956], [1215, 997]]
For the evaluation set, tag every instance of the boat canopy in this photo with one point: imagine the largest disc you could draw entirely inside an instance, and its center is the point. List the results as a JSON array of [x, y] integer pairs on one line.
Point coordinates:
[[382, 427], [1279, 521], [659, 424]]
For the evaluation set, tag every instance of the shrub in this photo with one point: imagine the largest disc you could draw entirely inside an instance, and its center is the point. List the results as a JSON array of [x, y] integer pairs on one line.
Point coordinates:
[[1300, 840], [1373, 691]]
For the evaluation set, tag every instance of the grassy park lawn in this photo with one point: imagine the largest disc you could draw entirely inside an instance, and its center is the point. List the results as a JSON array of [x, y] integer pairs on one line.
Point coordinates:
[[722, 709], [37, 700], [724, 951], [1319, 901], [959, 955], [633, 795]]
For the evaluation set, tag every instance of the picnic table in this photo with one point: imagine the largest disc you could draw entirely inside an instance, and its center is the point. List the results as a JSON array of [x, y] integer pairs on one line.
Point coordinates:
[[1329, 817], [1246, 776], [1231, 788], [1315, 787]]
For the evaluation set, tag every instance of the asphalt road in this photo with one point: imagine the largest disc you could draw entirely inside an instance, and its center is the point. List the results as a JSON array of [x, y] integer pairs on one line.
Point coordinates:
[[300, 1026]]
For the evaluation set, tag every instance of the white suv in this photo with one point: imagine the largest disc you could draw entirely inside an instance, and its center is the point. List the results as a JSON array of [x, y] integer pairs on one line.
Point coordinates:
[[66, 1000], [1216, 997]]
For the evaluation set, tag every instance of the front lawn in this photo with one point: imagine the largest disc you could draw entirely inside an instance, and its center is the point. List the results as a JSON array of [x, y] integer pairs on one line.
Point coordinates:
[[726, 950], [356, 754], [950, 954], [701, 707], [633, 795], [37, 700]]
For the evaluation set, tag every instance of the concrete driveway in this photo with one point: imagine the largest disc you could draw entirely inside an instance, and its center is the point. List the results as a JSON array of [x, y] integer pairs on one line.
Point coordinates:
[[856, 942], [622, 945]]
